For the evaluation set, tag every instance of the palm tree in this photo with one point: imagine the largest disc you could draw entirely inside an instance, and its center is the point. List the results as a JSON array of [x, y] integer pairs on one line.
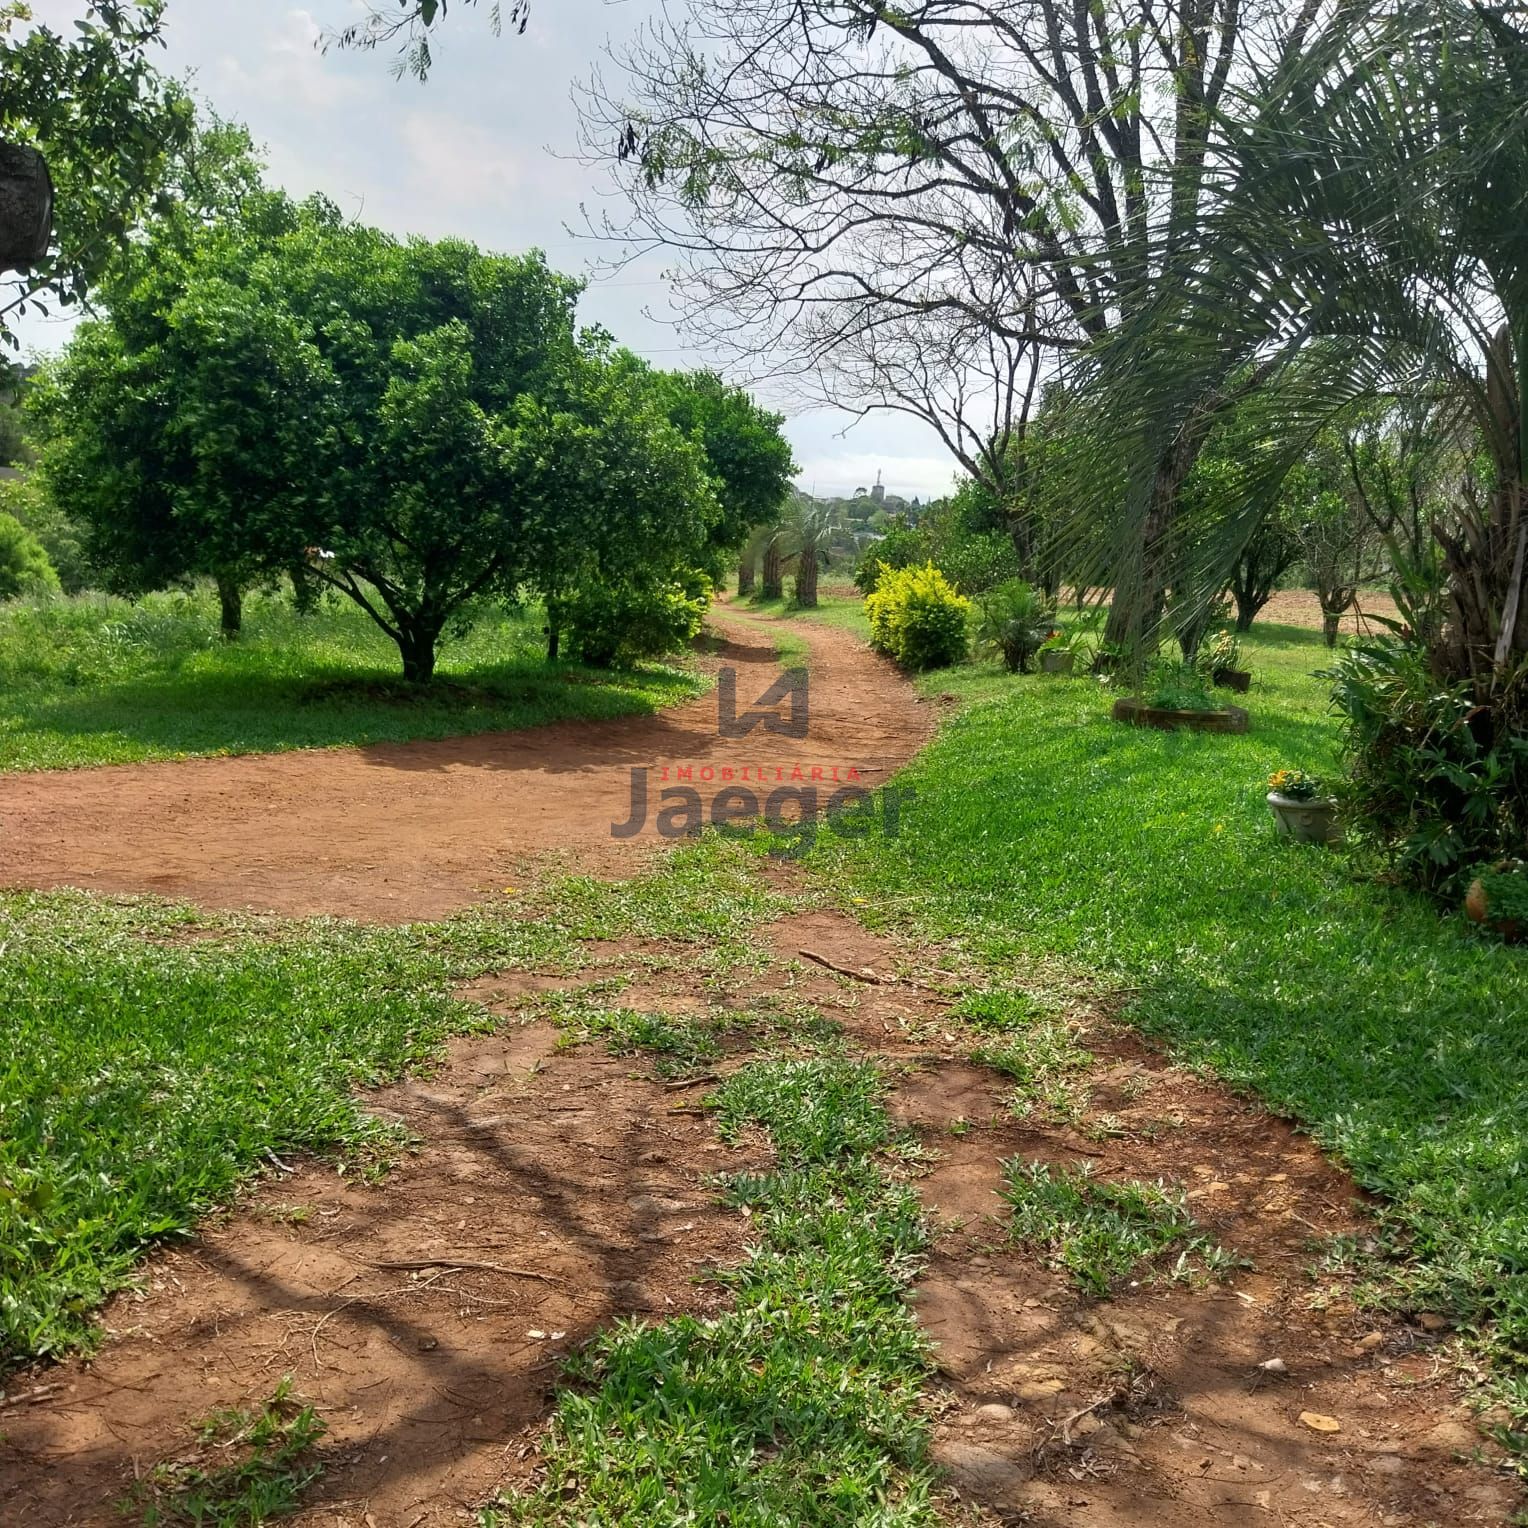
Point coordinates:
[[772, 570], [807, 533], [1366, 242]]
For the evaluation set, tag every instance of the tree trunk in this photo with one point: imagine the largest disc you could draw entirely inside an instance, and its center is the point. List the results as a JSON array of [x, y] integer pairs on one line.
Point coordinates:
[[553, 635], [26, 207], [1331, 624], [773, 577], [806, 580], [1247, 607], [1136, 611], [745, 572], [416, 644], [230, 607]]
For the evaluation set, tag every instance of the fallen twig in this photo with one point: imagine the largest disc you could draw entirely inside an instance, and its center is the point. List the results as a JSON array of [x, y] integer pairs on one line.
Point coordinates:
[[849, 971], [455, 1264]]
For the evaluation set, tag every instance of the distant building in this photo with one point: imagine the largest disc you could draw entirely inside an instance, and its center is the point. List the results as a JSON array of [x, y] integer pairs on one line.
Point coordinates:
[[878, 493]]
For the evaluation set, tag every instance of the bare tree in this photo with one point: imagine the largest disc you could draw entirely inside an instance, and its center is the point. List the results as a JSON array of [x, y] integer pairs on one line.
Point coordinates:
[[889, 202]]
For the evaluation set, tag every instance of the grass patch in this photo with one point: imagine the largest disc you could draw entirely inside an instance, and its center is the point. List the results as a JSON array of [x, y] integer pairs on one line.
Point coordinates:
[[1042, 830], [1038, 1050], [252, 1468], [1101, 1232], [150, 1071], [96, 680], [799, 1405]]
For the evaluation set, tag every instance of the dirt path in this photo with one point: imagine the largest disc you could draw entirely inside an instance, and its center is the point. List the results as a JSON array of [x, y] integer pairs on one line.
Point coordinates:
[[400, 832], [581, 1181]]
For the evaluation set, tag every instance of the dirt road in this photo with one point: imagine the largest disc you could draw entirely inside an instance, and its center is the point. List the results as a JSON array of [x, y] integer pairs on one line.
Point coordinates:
[[412, 831]]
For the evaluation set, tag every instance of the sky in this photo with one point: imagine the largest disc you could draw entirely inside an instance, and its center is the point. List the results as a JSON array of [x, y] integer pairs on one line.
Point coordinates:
[[482, 150]]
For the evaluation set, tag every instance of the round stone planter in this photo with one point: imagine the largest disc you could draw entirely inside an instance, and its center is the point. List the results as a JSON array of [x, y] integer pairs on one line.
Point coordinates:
[[1057, 663], [1307, 822], [1239, 680], [1227, 719]]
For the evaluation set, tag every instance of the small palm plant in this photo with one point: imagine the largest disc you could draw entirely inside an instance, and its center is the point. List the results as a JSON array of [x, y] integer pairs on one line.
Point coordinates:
[[1015, 621]]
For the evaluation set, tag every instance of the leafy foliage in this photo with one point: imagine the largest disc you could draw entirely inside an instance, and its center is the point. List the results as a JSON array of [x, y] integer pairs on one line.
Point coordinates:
[[24, 565], [415, 425], [1436, 781], [901, 547], [108, 125], [918, 619], [617, 624], [1015, 622], [27, 500]]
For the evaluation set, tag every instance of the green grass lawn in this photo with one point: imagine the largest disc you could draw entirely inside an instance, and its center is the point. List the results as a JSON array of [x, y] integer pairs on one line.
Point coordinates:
[[94, 680], [1397, 1036]]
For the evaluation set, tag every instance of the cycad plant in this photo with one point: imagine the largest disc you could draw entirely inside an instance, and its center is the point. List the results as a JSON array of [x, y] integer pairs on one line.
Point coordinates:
[[1015, 620], [806, 534]]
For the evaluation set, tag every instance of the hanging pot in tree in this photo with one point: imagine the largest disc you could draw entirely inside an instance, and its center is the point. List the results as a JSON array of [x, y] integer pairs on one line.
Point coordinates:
[[26, 206]]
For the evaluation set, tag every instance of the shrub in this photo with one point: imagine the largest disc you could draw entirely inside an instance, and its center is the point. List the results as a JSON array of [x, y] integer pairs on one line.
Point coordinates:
[[24, 566], [900, 547], [1015, 623], [617, 624], [1178, 687], [917, 618], [30, 502], [1220, 650], [1436, 781], [976, 562]]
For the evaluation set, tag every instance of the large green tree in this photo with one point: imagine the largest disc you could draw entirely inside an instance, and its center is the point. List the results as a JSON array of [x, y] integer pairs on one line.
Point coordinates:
[[417, 425]]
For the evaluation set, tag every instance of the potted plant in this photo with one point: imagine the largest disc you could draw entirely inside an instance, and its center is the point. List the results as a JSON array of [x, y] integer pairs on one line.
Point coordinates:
[[1300, 810], [1498, 899], [1058, 652], [1220, 656]]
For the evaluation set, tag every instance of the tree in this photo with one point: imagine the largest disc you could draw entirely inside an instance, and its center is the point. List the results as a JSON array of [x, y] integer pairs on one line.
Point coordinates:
[[27, 500], [1271, 551], [747, 453], [850, 181], [105, 125], [414, 424], [1367, 244], [806, 534], [772, 565]]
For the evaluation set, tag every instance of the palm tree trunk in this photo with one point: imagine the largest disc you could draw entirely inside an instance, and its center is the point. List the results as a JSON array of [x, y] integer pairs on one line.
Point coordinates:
[[806, 579], [772, 575], [746, 564]]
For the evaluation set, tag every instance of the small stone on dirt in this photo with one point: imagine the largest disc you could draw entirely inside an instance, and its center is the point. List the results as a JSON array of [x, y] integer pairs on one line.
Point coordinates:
[[995, 1411], [1431, 1321], [980, 1472], [1456, 1437], [1318, 1422], [1274, 1366]]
